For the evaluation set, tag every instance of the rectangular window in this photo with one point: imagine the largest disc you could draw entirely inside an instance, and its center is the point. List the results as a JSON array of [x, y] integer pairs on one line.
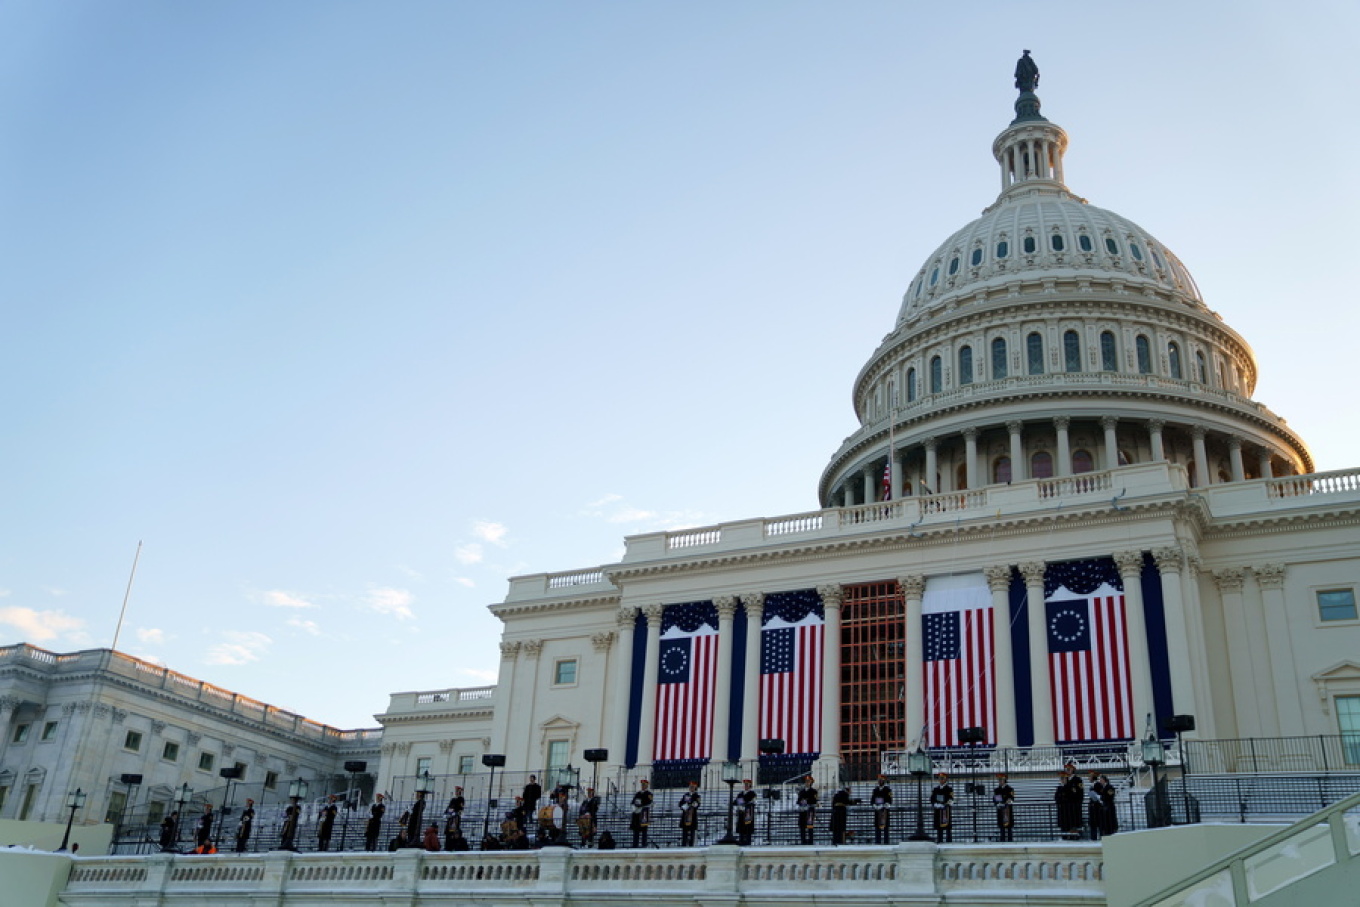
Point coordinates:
[[154, 813], [271, 780], [1348, 719], [466, 766], [564, 672], [170, 752], [558, 753], [206, 762], [117, 800], [20, 733], [422, 765], [49, 731], [1336, 604], [133, 741], [30, 794]]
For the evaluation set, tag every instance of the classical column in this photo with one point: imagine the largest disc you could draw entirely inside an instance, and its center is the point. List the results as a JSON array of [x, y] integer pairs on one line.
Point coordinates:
[[8, 706], [1130, 564], [1064, 464], [913, 588], [1041, 693], [897, 491], [870, 489], [647, 724], [1181, 639], [932, 467], [722, 693], [1251, 675], [831, 674], [1285, 683], [999, 582], [1201, 456], [1263, 461], [754, 603], [1155, 427], [1239, 472], [505, 686], [623, 680], [1110, 423], [1019, 468], [970, 436]]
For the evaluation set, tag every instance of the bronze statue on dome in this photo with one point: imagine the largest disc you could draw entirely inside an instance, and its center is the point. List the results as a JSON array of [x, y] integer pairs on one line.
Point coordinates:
[[1026, 73]]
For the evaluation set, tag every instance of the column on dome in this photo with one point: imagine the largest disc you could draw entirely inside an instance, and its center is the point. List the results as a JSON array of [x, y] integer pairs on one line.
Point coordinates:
[[623, 684], [897, 490], [1284, 683], [1019, 468], [726, 606], [1184, 635], [970, 454], [1239, 471], [1110, 424], [913, 590], [1064, 458], [832, 598], [1155, 427], [869, 490], [1201, 455], [1130, 564], [754, 603], [999, 582], [1041, 696], [1263, 463], [932, 465], [647, 722]]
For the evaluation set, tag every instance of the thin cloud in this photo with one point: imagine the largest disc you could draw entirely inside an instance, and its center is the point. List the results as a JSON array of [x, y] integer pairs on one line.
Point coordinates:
[[490, 532], [306, 626], [392, 602], [238, 647], [278, 598], [470, 553], [465, 581], [151, 636], [42, 626], [613, 509]]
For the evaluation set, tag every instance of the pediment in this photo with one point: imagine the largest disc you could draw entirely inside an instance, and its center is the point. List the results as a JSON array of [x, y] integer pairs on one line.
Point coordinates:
[[1342, 678]]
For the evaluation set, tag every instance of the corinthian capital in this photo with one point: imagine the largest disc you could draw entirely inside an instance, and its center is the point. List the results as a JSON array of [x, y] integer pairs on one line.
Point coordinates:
[[602, 641], [831, 594], [509, 648], [1270, 576], [627, 618], [1229, 580], [653, 614], [1033, 572], [1130, 564], [726, 605], [998, 577], [1168, 559], [754, 603]]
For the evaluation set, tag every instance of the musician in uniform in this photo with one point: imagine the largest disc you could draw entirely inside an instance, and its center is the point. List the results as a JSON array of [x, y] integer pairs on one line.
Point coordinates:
[[642, 813], [453, 818], [942, 806], [533, 792], [1003, 798], [243, 830], [744, 803], [841, 801], [586, 817], [1070, 798], [807, 810], [415, 825], [170, 831], [1108, 796], [881, 800], [689, 814], [374, 825], [326, 827], [291, 814]]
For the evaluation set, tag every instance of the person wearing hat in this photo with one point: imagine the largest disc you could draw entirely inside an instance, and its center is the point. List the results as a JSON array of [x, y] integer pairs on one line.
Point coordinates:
[[941, 804], [881, 800], [243, 830], [586, 817], [326, 827], [642, 813], [1003, 798], [374, 825], [1070, 798], [689, 814], [841, 801], [807, 810], [744, 804]]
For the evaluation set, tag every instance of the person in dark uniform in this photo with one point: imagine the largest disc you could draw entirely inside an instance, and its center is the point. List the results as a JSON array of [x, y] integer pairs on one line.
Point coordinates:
[[1107, 797], [415, 824], [744, 803], [689, 814], [1003, 798], [326, 827], [1070, 799], [170, 832], [203, 831], [373, 827], [517, 815], [942, 806], [291, 814], [587, 816], [807, 810], [642, 814], [881, 800], [247, 823], [1095, 807], [533, 792], [453, 818], [841, 801]]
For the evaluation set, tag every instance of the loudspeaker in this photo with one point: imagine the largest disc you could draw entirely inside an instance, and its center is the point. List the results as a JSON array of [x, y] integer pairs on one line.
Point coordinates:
[[131, 779], [1179, 724], [493, 760], [972, 735], [231, 774], [355, 767], [772, 747], [597, 755]]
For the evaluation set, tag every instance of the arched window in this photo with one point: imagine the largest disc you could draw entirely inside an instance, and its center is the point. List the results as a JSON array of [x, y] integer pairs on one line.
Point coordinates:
[[1111, 246], [892, 395], [934, 275], [936, 375], [1041, 465], [1137, 252], [1084, 243], [1071, 351], [1001, 471], [1034, 351], [1030, 245], [1201, 368], [965, 365], [1056, 242], [1003, 249], [1222, 375], [953, 266], [1109, 356], [998, 358], [911, 385], [1082, 461], [1144, 355], [976, 258], [1173, 358]]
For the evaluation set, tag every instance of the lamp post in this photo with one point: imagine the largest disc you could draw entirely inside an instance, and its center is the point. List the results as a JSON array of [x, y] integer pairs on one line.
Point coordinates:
[[131, 780], [1178, 724], [973, 736], [297, 792], [1154, 754], [731, 776], [230, 774], [595, 757], [74, 801], [920, 766], [771, 747], [186, 793], [491, 761]]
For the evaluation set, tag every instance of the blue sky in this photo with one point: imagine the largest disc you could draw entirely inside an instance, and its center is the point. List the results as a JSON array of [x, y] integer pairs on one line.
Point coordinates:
[[350, 311]]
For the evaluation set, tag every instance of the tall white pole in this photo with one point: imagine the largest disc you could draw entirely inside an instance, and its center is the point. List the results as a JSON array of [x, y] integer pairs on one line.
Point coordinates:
[[117, 631]]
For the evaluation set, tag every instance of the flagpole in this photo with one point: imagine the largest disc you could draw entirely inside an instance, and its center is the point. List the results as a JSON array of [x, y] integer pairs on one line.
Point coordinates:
[[117, 631]]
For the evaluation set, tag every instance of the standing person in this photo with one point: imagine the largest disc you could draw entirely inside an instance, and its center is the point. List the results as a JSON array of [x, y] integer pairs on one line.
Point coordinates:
[[431, 839], [290, 825], [840, 814], [203, 831], [373, 827], [247, 823], [1095, 806], [170, 832], [326, 827], [586, 817], [807, 810], [882, 799], [642, 813], [942, 805], [517, 815], [744, 803], [415, 823], [453, 818], [689, 814], [1003, 798], [1070, 799], [533, 792], [1107, 796]]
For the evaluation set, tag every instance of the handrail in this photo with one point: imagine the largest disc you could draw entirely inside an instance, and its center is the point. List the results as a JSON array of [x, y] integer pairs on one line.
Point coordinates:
[[1236, 862]]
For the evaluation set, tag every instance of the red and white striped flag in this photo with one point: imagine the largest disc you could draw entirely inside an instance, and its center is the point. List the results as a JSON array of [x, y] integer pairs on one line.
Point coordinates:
[[885, 492], [1088, 661], [957, 637], [686, 677], [791, 682]]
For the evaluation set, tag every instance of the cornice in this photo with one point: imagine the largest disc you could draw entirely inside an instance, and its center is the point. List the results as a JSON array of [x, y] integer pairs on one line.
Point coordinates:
[[1263, 523], [387, 719], [538, 606]]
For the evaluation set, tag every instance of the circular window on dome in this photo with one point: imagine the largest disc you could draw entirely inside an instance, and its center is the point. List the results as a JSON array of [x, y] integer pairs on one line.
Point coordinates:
[[1003, 249], [976, 258]]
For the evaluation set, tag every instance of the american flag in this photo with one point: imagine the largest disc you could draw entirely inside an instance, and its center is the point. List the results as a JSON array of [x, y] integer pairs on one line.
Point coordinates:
[[956, 626], [686, 674], [885, 492], [791, 671], [1088, 663]]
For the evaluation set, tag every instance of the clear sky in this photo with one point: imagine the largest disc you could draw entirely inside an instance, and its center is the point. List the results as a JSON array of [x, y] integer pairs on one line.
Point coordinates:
[[350, 311]]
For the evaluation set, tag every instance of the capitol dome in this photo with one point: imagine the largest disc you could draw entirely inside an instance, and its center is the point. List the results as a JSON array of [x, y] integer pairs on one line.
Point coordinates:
[[1049, 338]]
